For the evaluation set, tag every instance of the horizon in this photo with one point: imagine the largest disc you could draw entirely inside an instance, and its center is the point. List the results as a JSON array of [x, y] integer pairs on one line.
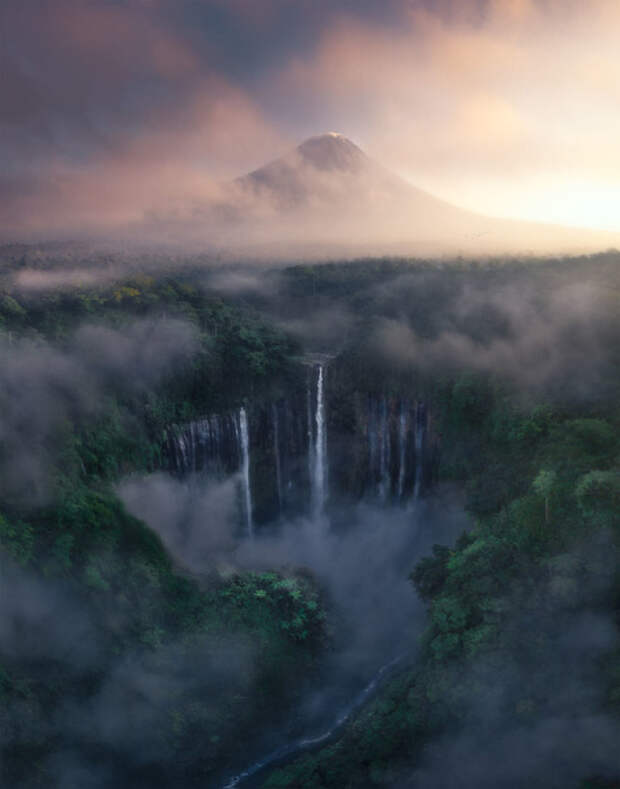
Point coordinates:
[[309, 382]]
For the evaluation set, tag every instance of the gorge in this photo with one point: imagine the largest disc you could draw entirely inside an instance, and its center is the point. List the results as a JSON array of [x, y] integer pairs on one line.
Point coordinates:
[[309, 439], [228, 524], [387, 445]]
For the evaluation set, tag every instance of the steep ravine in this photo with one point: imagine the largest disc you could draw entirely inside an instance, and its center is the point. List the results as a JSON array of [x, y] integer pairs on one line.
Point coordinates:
[[317, 455], [303, 452]]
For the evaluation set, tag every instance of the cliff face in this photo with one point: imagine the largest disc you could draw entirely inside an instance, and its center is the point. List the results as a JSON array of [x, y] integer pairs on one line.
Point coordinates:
[[317, 446]]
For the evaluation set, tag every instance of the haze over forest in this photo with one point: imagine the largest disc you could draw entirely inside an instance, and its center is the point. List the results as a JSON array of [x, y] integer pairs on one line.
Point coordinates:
[[309, 385]]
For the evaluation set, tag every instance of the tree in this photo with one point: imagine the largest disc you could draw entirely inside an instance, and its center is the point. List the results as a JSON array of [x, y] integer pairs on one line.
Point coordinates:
[[543, 485]]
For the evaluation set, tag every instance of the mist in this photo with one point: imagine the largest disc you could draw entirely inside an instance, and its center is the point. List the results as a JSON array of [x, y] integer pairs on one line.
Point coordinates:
[[312, 203], [196, 520], [119, 728], [545, 331], [535, 713], [361, 567], [556, 340], [129, 112], [44, 386], [309, 385]]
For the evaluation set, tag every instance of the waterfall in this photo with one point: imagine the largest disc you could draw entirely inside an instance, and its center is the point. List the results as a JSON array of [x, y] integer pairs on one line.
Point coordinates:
[[319, 472], [245, 469], [402, 446], [387, 462], [183, 456], [310, 436], [385, 453], [210, 445], [192, 446], [397, 439], [420, 429], [276, 451], [372, 441]]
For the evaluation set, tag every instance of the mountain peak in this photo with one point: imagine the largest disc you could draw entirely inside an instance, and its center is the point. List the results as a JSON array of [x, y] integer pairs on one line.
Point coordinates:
[[327, 137], [331, 151]]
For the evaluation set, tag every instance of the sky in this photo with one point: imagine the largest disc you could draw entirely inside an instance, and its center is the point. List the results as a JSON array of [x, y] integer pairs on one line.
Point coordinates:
[[114, 108]]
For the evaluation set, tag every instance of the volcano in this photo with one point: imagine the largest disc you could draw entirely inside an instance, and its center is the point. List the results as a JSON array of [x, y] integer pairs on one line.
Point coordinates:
[[328, 198], [329, 168]]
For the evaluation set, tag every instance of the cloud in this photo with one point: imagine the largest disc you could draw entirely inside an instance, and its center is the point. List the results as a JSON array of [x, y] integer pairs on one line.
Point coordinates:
[[555, 342], [138, 356], [123, 726], [40, 620], [550, 754], [324, 329], [44, 387], [114, 111], [381, 617], [533, 713], [197, 523], [99, 716], [488, 105], [130, 714], [197, 519]]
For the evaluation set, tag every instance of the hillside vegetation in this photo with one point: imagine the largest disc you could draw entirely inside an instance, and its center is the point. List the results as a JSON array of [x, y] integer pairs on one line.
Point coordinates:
[[115, 662]]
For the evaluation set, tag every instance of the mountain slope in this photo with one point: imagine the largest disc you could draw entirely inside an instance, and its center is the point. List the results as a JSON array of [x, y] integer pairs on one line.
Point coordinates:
[[327, 198], [330, 166]]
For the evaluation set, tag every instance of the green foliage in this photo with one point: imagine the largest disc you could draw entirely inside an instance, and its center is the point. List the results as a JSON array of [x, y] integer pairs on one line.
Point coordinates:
[[540, 473], [97, 522], [94, 578], [61, 551], [17, 539], [431, 572], [545, 482], [471, 400], [544, 485], [533, 426], [268, 600], [121, 572], [542, 481], [600, 490], [10, 308]]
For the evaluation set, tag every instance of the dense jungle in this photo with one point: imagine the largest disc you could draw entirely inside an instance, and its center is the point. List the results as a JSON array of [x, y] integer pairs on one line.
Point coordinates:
[[342, 525]]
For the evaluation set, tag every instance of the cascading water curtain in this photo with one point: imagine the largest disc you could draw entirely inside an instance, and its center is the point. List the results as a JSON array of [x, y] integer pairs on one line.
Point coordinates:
[[319, 456], [245, 469]]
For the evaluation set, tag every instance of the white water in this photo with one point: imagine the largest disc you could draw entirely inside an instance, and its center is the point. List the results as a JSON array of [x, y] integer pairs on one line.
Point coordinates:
[[298, 746], [310, 436], [192, 430], [402, 444], [245, 469], [372, 439], [204, 444], [419, 444], [183, 452], [276, 451], [386, 451], [319, 472]]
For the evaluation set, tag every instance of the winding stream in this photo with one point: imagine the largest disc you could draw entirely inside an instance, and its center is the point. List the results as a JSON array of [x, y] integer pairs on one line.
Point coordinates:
[[288, 751]]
